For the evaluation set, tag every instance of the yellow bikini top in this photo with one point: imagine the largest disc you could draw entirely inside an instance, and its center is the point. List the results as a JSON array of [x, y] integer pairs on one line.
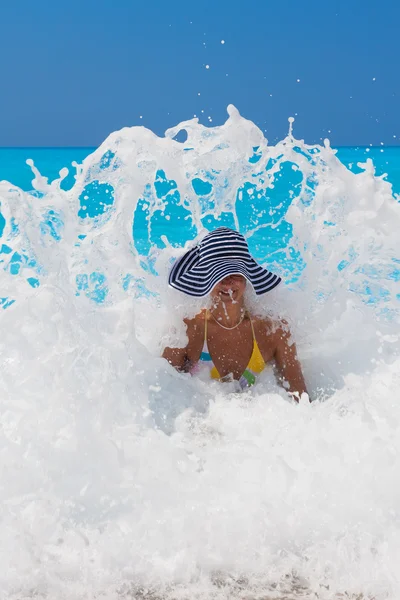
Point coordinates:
[[255, 366]]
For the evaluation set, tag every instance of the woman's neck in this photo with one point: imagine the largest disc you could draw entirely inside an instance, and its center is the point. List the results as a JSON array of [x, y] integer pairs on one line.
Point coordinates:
[[228, 314]]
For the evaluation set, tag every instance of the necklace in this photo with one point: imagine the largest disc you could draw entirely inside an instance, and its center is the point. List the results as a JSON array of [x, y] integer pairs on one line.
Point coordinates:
[[229, 328]]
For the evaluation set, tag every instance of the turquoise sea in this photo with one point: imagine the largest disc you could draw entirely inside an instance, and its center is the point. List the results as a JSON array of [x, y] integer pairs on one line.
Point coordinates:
[[49, 161]]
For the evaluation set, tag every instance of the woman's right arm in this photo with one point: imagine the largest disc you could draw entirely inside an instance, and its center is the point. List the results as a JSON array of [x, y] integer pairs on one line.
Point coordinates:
[[183, 358], [177, 357]]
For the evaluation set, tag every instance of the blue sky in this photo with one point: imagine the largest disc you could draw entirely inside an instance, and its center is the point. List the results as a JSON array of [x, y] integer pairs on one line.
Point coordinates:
[[73, 72]]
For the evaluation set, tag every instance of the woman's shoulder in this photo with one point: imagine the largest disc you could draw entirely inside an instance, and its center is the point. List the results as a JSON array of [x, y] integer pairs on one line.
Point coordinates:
[[197, 321], [195, 332], [270, 326]]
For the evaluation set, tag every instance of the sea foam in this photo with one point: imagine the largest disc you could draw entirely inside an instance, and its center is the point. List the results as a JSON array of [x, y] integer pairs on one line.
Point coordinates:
[[122, 476]]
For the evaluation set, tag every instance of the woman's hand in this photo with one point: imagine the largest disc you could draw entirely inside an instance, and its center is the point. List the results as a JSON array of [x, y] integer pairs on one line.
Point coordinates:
[[183, 358], [177, 357]]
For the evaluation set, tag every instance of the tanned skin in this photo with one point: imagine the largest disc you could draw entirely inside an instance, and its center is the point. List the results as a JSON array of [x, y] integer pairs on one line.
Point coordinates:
[[231, 350]]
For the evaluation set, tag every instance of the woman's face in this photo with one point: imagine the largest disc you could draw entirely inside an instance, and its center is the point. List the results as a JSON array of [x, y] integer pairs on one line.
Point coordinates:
[[230, 289]]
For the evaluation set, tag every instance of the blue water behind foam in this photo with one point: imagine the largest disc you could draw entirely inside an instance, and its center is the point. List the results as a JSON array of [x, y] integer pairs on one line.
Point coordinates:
[[97, 197], [49, 161]]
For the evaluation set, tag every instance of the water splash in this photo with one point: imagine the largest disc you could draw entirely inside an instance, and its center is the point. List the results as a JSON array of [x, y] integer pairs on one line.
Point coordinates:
[[120, 474]]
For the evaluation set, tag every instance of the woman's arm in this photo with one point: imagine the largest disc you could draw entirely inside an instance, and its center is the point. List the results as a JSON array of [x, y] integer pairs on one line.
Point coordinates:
[[177, 357], [288, 364], [182, 358]]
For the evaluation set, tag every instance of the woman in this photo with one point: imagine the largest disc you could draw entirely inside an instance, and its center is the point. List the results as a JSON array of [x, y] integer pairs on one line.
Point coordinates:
[[226, 340]]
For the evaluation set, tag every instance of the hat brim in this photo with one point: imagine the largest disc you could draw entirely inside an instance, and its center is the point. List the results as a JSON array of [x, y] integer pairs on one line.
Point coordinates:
[[187, 277]]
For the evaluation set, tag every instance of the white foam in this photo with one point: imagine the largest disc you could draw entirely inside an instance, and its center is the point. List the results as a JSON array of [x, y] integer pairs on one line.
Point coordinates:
[[118, 472]]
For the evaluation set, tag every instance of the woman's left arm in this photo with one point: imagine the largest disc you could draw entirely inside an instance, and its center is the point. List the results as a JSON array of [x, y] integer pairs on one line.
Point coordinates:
[[287, 362]]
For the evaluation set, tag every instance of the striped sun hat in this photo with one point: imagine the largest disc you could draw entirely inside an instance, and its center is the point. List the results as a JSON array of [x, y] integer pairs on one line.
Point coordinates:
[[220, 253]]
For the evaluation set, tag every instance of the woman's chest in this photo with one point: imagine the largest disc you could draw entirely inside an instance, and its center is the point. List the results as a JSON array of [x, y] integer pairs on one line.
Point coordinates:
[[230, 351]]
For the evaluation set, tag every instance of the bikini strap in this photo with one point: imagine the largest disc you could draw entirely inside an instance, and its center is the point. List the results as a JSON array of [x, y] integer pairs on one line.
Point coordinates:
[[252, 328]]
